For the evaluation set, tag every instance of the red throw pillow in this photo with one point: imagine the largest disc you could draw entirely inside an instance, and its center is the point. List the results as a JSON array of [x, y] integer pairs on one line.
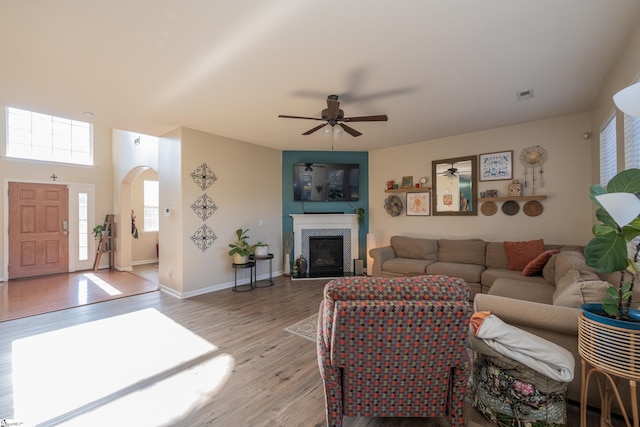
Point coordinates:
[[522, 253], [535, 267]]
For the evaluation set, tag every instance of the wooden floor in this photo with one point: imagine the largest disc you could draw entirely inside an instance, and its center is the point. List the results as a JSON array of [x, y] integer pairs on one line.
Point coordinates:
[[28, 297], [220, 359]]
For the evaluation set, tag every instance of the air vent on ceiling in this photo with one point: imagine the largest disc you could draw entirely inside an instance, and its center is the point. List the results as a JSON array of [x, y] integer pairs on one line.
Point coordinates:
[[525, 94]]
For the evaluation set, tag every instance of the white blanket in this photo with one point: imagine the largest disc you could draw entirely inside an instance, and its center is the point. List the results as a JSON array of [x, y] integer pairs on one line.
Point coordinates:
[[537, 353]]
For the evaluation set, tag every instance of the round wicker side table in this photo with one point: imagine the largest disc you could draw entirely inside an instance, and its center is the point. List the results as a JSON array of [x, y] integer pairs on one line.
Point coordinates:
[[611, 352]]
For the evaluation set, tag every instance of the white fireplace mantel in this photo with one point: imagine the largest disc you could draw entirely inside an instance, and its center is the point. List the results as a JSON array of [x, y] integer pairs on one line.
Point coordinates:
[[325, 221]]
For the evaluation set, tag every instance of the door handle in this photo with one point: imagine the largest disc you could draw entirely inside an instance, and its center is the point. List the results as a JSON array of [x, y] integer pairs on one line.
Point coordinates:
[[65, 227]]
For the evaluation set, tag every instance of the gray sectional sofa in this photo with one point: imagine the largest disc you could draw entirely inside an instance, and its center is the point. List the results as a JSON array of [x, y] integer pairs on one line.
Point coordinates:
[[478, 262], [546, 304]]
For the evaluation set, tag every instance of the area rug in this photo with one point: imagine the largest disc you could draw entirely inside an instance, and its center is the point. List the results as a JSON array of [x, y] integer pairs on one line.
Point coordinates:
[[305, 328]]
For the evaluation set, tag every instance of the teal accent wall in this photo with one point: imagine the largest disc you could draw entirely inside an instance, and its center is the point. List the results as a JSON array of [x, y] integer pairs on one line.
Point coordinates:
[[291, 207]]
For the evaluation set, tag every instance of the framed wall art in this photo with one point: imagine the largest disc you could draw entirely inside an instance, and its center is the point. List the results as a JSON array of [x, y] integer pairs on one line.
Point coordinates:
[[407, 182], [418, 204], [496, 166]]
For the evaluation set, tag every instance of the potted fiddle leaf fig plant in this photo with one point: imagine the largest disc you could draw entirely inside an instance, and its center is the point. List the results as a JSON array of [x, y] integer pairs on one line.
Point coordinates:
[[240, 249], [608, 252]]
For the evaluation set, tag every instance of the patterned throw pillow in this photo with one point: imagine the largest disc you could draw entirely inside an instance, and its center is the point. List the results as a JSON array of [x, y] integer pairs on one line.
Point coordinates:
[[535, 267], [522, 253]]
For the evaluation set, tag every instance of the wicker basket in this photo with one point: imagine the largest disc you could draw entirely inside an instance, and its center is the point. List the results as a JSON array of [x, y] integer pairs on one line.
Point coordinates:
[[613, 349]]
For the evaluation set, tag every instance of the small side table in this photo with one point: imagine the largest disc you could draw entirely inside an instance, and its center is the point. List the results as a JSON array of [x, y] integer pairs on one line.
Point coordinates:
[[251, 265], [255, 259]]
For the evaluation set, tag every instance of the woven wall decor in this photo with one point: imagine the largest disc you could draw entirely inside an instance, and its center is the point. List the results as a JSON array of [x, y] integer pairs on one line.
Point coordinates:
[[204, 207], [203, 176], [203, 237]]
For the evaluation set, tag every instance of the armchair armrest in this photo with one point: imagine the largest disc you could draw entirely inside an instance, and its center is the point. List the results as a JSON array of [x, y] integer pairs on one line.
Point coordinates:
[[380, 255]]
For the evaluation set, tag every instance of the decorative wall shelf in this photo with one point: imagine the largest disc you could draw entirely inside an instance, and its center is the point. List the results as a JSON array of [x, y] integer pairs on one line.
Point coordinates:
[[507, 198], [408, 190]]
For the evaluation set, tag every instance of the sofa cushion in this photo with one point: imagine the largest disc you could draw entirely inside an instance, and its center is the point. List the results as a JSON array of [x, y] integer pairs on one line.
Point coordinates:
[[522, 253], [535, 267], [490, 275], [496, 255], [549, 270], [406, 265], [471, 273], [572, 290], [524, 290], [572, 260], [410, 247], [467, 251]]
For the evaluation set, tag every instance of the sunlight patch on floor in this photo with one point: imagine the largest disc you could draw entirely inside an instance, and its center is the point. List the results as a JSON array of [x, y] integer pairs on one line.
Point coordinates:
[[94, 364], [103, 285]]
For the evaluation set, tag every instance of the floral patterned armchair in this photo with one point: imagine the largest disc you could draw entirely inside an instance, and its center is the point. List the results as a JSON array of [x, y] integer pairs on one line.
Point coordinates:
[[394, 347]]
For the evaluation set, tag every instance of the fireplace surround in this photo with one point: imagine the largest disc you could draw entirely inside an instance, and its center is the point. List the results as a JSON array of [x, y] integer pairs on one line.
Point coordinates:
[[344, 225]]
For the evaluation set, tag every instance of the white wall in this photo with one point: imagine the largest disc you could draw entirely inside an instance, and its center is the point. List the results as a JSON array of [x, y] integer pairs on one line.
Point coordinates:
[[566, 217], [247, 193]]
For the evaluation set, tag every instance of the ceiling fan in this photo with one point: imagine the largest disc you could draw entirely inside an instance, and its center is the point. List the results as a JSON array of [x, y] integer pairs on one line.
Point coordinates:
[[450, 172], [333, 115]]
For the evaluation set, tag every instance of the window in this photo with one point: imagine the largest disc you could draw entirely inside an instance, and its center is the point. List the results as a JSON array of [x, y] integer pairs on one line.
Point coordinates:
[[83, 227], [608, 152], [151, 206], [631, 142], [36, 136]]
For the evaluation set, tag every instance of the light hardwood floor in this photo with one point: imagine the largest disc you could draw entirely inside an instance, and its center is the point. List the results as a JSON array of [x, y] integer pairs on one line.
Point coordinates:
[[271, 377]]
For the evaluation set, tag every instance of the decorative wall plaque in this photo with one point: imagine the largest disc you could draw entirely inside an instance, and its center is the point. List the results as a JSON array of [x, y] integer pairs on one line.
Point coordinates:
[[203, 176], [204, 207], [203, 237]]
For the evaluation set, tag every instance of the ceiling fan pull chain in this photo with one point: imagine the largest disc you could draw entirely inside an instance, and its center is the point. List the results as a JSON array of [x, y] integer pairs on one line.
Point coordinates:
[[541, 177]]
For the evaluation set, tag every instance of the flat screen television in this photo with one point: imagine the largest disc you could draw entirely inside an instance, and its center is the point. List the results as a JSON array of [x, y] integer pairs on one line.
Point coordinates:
[[326, 182]]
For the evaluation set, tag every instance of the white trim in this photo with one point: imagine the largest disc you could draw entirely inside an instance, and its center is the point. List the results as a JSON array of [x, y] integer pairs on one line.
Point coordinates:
[[209, 289]]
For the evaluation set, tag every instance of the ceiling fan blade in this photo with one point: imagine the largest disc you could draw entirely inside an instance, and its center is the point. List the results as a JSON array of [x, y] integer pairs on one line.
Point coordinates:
[[351, 131], [299, 117], [333, 105], [310, 131], [379, 118]]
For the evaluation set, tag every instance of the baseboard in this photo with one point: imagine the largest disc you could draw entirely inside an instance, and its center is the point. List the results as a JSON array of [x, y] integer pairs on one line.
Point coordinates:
[[213, 288], [145, 261]]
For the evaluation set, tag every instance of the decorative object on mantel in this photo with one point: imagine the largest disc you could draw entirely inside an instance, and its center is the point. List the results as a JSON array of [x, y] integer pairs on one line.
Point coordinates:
[[510, 207], [492, 193], [393, 205], [423, 181], [489, 208], [203, 237], [204, 207], [515, 188], [532, 208], [531, 158], [390, 184], [203, 176], [496, 166]]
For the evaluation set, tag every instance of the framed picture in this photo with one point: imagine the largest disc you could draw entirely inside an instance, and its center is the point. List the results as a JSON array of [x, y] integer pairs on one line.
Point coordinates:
[[496, 166], [418, 204], [407, 182]]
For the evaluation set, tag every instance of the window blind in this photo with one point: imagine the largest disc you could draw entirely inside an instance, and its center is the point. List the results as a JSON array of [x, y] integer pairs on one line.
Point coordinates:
[[608, 161], [631, 142]]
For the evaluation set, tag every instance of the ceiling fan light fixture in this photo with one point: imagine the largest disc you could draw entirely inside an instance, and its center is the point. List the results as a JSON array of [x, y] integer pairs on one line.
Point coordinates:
[[337, 132]]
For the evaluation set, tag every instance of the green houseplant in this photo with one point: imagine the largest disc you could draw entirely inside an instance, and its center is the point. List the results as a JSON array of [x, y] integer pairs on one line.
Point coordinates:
[[240, 249], [619, 225], [261, 249]]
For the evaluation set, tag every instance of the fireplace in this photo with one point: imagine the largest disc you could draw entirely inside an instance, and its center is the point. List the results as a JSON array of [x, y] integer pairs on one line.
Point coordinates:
[[325, 256], [345, 226]]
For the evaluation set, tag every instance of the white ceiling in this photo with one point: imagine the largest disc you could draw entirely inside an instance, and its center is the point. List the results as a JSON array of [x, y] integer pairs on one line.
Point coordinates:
[[435, 67]]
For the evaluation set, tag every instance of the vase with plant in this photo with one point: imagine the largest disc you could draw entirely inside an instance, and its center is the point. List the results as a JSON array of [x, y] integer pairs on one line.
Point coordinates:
[[619, 225], [287, 245], [261, 249], [97, 231], [240, 249]]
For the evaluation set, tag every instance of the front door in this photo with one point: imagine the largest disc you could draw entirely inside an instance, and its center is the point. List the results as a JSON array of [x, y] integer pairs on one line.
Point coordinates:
[[38, 229]]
